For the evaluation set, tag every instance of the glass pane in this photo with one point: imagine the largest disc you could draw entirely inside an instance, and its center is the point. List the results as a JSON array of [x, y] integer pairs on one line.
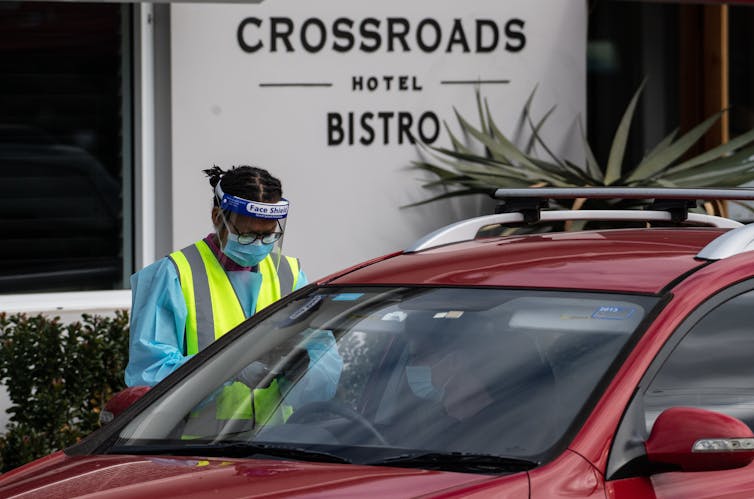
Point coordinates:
[[62, 90], [483, 371], [711, 368]]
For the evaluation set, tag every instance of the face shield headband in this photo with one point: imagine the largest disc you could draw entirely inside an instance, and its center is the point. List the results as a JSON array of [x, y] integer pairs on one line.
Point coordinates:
[[263, 211], [256, 209]]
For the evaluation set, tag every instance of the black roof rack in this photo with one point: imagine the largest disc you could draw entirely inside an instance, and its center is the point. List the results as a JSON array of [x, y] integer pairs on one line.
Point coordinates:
[[677, 201], [700, 193], [529, 206]]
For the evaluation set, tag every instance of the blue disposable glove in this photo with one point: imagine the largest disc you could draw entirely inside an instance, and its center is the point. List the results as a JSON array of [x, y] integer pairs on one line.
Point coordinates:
[[325, 365], [319, 342]]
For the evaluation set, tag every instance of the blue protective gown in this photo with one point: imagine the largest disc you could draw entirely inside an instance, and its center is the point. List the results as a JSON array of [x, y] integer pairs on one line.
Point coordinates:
[[158, 318]]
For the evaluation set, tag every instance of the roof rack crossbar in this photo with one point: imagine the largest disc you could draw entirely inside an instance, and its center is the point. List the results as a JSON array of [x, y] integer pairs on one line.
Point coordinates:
[[699, 194], [466, 230], [677, 201]]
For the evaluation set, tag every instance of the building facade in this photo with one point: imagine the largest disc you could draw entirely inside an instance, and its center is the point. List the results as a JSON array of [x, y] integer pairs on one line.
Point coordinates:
[[109, 112]]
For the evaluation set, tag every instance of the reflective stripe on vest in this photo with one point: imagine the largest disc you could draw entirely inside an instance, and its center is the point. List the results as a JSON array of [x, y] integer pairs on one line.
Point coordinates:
[[211, 302], [284, 279]]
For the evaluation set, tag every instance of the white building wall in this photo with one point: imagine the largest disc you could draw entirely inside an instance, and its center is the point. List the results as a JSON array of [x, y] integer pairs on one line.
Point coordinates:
[[234, 103]]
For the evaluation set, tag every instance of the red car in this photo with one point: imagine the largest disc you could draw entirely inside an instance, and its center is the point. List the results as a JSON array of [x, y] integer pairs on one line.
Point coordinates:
[[610, 363]]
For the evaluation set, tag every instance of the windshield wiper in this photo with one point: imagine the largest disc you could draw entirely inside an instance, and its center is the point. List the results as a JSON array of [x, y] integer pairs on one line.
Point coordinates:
[[459, 461], [235, 449], [276, 450]]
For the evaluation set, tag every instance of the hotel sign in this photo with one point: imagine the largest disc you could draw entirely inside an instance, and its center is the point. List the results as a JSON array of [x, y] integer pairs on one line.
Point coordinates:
[[336, 96]]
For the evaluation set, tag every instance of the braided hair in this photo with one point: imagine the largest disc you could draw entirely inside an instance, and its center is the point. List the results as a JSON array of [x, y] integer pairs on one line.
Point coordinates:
[[248, 182]]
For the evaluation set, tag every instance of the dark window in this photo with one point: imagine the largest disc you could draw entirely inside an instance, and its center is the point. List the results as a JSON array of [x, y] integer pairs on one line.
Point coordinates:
[[64, 144], [628, 42], [741, 68]]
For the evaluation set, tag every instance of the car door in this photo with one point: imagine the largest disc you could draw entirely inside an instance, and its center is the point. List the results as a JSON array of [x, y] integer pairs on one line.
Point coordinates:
[[707, 364]]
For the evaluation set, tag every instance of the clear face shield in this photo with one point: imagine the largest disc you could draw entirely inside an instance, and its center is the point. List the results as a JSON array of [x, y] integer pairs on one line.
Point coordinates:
[[254, 229]]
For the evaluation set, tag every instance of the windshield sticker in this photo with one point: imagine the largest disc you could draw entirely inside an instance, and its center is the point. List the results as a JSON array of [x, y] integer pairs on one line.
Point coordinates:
[[450, 314], [306, 307], [611, 312], [347, 296], [303, 311]]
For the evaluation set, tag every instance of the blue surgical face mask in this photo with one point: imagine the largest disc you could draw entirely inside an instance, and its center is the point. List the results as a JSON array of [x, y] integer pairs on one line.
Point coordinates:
[[420, 380], [246, 255]]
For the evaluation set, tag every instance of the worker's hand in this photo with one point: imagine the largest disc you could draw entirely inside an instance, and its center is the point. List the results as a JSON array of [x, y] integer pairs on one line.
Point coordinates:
[[253, 374], [320, 381], [319, 342]]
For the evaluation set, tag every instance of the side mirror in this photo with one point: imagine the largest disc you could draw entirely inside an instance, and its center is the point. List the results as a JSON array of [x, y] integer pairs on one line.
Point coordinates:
[[120, 402], [699, 440]]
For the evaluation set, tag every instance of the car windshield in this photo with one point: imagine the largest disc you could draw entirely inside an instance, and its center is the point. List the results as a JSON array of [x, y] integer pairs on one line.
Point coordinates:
[[397, 375]]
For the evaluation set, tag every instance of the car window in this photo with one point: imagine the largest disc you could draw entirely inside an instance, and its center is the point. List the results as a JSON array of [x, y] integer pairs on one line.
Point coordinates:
[[365, 349], [404, 370], [711, 367]]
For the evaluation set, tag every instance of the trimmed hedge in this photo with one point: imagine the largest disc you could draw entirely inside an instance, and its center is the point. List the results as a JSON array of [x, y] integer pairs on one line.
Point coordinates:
[[58, 377]]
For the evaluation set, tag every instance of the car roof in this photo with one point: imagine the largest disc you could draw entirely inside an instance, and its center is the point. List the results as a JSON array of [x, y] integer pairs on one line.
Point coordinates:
[[645, 260]]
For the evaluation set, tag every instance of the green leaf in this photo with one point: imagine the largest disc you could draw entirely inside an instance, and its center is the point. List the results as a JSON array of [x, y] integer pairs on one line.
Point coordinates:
[[452, 159], [661, 146], [457, 144], [505, 148], [497, 151], [473, 172], [664, 183], [709, 176], [661, 159], [437, 170], [565, 176], [717, 152], [527, 117], [591, 162], [526, 112], [536, 139], [480, 112], [618, 148], [582, 176], [502, 147], [492, 164], [741, 157]]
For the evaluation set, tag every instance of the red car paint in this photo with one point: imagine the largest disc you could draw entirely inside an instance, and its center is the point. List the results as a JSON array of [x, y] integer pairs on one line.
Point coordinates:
[[616, 260], [656, 261], [143, 477]]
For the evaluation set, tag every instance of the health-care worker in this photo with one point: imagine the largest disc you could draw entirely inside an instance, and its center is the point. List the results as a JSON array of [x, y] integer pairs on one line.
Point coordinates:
[[172, 309]]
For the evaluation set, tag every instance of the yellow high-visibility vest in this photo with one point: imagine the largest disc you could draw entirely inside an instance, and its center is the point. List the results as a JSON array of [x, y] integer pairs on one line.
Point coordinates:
[[214, 309]]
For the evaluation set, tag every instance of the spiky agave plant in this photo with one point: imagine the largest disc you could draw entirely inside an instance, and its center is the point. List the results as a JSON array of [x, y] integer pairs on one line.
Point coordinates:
[[462, 171]]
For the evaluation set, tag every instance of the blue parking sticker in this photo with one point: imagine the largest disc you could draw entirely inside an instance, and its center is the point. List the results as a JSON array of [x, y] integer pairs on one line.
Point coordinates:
[[347, 296], [612, 312]]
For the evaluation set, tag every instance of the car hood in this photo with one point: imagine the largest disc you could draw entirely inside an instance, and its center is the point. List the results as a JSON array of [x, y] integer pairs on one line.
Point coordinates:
[[119, 476]]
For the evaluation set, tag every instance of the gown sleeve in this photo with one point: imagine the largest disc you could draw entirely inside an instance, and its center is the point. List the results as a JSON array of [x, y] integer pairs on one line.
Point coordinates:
[[158, 321]]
